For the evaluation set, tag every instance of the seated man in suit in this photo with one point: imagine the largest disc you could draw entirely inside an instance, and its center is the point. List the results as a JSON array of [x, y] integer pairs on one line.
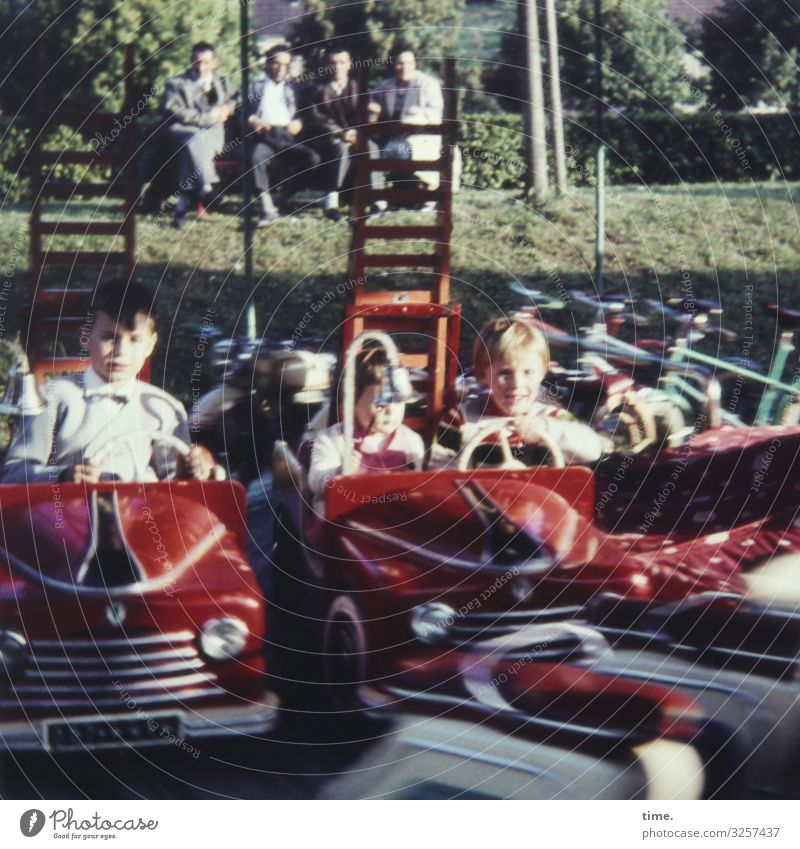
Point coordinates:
[[196, 106], [332, 118], [410, 97], [275, 127]]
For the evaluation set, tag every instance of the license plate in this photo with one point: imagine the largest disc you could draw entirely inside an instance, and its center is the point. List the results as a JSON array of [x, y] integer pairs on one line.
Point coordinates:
[[95, 733]]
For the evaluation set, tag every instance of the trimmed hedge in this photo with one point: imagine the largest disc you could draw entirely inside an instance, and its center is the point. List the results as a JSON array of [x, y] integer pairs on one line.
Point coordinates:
[[14, 175], [651, 148]]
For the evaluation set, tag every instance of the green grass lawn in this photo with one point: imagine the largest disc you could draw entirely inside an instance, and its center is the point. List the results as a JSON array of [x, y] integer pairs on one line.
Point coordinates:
[[717, 239]]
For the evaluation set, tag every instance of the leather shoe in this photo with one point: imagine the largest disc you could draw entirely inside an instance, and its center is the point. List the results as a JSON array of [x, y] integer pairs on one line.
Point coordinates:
[[267, 218]]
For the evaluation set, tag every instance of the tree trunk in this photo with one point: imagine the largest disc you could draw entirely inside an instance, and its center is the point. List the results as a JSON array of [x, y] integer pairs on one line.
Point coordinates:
[[535, 143], [557, 115]]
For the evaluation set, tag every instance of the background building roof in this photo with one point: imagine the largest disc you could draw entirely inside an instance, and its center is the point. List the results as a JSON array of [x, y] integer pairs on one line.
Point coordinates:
[[693, 10], [274, 17]]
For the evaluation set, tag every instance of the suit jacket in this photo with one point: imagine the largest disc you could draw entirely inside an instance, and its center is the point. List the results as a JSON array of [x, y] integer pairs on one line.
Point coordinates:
[[185, 103], [256, 92], [84, 414], [329, 113], [424, 92]]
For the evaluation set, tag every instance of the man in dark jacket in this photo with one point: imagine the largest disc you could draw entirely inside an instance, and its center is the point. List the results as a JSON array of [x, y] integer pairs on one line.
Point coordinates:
[[196, 106], [331, 121]]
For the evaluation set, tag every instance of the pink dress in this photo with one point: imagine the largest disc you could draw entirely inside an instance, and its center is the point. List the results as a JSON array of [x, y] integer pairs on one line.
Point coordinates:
[[398, 455], [403, 451]]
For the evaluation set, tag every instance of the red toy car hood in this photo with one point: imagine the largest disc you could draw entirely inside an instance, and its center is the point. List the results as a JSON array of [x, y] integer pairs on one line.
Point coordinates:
[[469, 518], [115, 536], [493, 520]]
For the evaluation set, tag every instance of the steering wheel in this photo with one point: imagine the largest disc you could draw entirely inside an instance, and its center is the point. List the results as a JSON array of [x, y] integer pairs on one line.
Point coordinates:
[[636, 418], [127, 439], [501, 429]]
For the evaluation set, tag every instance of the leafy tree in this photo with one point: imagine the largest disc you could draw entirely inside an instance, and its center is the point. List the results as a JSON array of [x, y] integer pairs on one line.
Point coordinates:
[[370, 28], [642, 55], [29, 47], [753, 48], [74, 52]]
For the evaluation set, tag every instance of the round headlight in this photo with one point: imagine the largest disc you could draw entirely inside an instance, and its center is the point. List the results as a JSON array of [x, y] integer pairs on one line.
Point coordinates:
[[223, 638], [13, 651], [431, 622]]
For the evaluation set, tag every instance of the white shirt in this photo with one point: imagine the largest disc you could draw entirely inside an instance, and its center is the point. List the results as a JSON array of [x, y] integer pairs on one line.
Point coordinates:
[[84, 414], [274, 106]]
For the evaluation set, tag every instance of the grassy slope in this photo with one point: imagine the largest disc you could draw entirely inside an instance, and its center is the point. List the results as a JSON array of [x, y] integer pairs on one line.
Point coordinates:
[[726, 236]]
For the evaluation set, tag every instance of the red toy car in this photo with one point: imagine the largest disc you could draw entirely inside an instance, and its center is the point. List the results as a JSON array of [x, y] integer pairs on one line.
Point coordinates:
[[449, 557], [128, 616]]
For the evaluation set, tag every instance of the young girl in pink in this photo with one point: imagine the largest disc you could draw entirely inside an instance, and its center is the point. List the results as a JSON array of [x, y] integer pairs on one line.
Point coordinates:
[[382, 442]]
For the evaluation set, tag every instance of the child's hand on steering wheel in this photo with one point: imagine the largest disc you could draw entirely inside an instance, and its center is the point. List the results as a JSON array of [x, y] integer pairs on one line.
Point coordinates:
[[198, 464], [86, 472]]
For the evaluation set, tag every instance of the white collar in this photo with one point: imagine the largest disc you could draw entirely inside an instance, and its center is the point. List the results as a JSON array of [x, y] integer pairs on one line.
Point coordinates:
[[94, 385]]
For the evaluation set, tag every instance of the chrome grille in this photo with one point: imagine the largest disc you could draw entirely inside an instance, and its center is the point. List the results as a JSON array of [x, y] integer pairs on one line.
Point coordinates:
[[84, 673], [485, 626], [555, 650]]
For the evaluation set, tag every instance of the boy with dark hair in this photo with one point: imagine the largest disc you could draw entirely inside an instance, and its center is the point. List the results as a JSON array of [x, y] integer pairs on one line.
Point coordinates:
[[105, 423]]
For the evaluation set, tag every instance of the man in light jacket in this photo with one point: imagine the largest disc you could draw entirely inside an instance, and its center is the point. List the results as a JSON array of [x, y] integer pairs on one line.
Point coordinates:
[[411, 97]]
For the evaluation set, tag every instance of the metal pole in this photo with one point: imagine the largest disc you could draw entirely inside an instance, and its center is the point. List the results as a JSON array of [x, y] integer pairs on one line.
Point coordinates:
[[600, 160], [247, 193]]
